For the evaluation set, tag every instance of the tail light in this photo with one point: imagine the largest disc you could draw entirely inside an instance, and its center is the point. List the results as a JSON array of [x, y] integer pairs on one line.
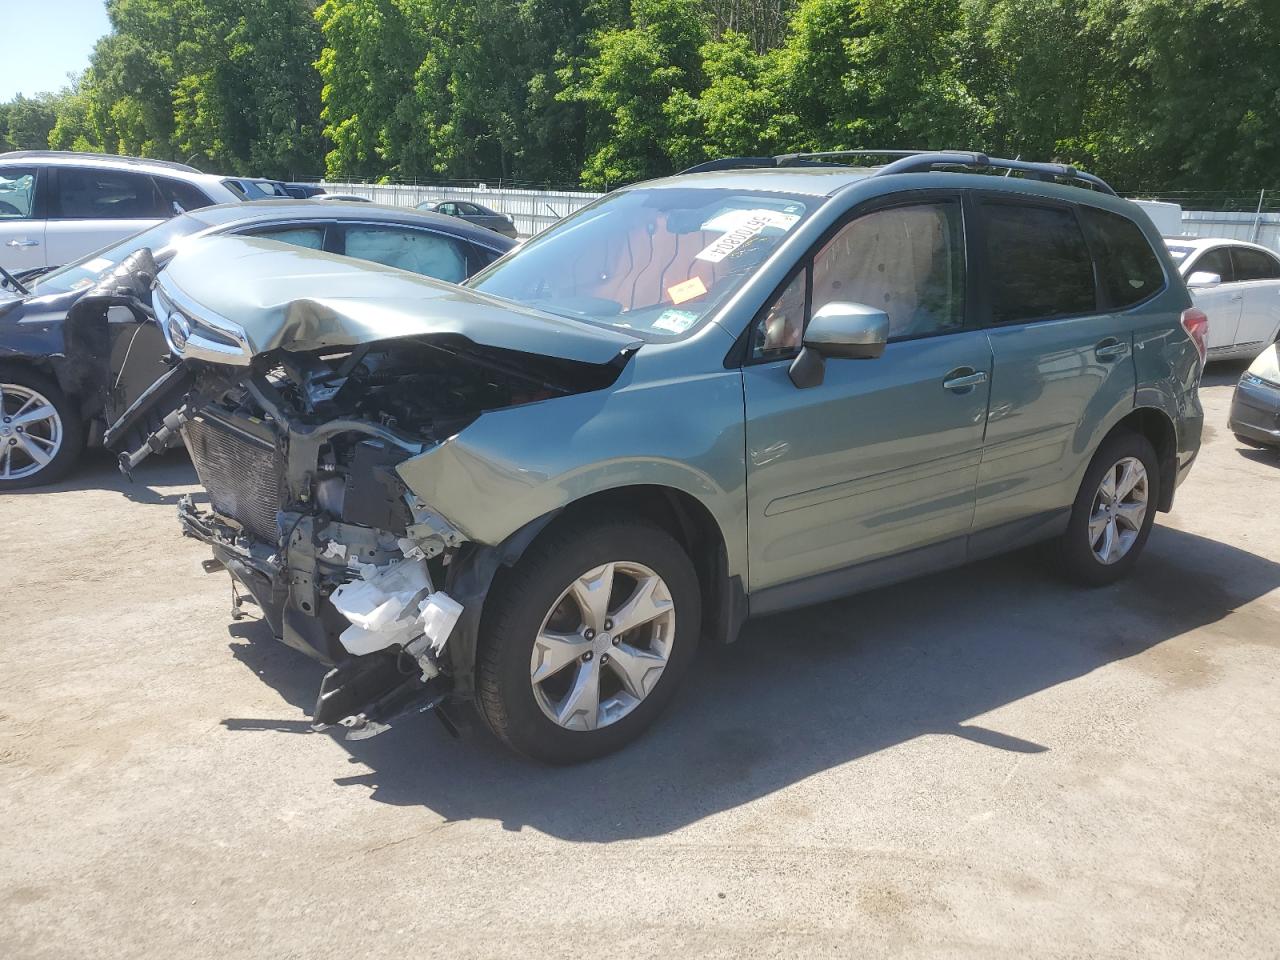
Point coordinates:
[[1197, 326]]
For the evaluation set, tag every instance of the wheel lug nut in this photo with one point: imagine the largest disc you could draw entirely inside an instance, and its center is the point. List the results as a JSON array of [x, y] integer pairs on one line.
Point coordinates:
[[616, 641], [608, 624], [590, 634], [604, 659], [586, 657]]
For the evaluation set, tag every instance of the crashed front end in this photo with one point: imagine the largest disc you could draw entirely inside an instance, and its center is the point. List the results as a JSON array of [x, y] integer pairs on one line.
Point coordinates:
[[297, 410]]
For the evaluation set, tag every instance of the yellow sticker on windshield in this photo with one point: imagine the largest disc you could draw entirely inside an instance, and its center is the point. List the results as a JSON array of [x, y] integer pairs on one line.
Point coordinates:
[[687, 290]]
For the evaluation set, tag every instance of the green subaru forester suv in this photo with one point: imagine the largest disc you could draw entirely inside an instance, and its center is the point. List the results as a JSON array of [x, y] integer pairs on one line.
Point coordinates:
[[757, 385]]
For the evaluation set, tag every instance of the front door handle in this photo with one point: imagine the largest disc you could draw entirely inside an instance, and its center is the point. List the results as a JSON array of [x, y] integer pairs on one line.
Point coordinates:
[[963, 379], [1237, 296], [1110, 349], [23, 243]]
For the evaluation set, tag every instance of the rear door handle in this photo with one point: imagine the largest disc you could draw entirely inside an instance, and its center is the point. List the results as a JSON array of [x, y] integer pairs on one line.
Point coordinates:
[[23, 243], [1110, 349], [1237, 296], [963, 379]]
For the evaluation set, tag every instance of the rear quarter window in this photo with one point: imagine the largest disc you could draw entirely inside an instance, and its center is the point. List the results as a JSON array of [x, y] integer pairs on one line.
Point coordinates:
[[1128, 269]]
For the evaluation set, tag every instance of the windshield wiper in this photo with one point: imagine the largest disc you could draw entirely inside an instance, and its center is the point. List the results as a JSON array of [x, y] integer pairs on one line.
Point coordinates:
[[12, 282]]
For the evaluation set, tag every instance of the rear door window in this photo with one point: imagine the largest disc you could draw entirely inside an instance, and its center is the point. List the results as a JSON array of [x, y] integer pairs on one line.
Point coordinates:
[[17, 192], [1037, 262], [418, 251], [1128, 269], [91, 194], [1215, 261], [1254, 264], [310, 236]]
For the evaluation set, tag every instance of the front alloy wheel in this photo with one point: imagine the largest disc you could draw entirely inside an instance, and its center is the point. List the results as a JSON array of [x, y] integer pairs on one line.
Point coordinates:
[[40, 431], [584, 641], [30, 431], [603, 646]]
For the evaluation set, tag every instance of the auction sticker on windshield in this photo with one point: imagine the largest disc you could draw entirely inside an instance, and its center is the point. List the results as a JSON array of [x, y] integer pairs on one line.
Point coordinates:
[[741, 227]]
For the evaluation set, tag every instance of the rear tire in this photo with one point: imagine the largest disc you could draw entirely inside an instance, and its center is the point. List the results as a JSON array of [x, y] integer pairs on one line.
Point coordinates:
[[35, 449], [556, 678], [1113, 511]]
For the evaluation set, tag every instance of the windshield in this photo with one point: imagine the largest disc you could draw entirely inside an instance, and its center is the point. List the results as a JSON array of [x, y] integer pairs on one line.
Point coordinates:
[[655, 262], [88, 269], [1179, 251]]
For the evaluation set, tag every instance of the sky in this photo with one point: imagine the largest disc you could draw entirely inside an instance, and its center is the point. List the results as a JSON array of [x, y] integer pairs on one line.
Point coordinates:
[[57, 38]]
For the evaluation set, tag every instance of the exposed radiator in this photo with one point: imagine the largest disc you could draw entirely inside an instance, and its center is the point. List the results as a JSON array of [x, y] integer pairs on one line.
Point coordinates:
[[243, 475]]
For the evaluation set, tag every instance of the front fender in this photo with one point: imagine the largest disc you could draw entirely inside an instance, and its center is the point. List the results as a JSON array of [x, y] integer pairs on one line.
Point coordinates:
[[512, 466]]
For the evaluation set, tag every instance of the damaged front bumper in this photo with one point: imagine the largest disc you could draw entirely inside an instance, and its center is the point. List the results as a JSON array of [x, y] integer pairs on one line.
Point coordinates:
[[358, 599], [300, 391]]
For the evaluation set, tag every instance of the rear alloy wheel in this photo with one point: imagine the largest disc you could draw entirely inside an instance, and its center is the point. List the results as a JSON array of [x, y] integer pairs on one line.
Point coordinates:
[[585, 640], [1113, 512], [40, 433], [1119, 510]]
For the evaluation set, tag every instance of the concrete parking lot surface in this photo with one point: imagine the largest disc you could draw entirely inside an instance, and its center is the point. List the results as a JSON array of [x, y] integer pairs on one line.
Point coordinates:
[[984, 763]]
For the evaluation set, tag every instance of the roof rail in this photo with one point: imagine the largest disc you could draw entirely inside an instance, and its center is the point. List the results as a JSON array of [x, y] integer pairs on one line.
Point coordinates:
[[924, 162], [913, 161], [77, 155]]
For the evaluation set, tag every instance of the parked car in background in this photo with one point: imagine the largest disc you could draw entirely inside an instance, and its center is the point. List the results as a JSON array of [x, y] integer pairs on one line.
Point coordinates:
[[1237, 285], [474, 213], [56, 207], [699, 399], [257, 188], [56, 382], [1255, 407], [303, 191], [348, 197]]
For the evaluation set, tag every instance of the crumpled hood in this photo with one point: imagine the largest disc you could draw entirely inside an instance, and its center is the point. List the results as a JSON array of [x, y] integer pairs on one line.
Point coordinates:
[[283, 296]]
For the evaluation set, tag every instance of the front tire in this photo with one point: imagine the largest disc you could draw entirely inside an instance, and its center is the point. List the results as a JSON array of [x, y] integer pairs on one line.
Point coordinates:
[[584, 642], [1113, 511], [41, 433]]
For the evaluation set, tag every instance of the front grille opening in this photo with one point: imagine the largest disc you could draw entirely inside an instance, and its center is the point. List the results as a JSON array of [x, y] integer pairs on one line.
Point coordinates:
[[244, 475]]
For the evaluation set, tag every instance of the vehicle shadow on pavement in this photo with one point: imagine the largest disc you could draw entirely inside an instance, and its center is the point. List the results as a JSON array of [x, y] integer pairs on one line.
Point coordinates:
[[810, 690], [97, 470], [1271, 457]]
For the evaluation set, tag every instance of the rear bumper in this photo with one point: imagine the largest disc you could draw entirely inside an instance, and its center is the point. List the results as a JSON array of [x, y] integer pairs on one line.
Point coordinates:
[[1255, 411]]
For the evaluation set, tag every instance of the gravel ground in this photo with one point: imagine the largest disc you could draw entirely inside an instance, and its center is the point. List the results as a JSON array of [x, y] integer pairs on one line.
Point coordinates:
[[984, 763]]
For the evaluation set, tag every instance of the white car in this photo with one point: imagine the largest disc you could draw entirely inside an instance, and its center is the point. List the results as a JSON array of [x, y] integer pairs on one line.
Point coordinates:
[[1237, 285], [55, 207]]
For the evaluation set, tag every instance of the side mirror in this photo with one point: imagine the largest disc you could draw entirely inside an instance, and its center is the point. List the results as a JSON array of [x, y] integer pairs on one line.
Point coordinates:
[[1203, 278], [846, 331]]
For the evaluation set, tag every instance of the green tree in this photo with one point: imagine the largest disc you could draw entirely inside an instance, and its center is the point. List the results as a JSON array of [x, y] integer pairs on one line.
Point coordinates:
[[372, 51], [27, 121], [1193, 93], [632, 74], [742, 110]]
